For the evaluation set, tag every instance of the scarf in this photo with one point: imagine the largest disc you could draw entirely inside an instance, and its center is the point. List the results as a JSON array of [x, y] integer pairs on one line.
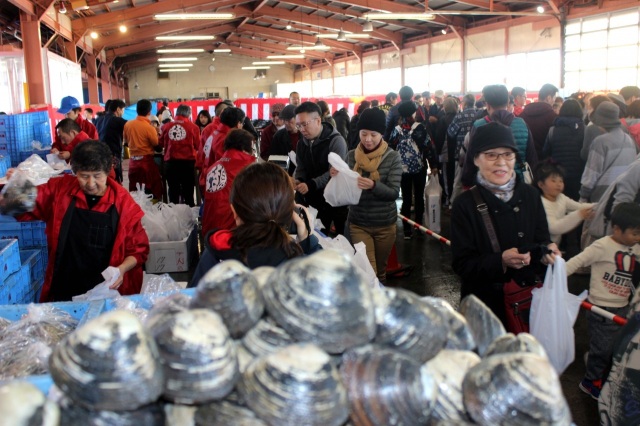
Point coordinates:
[[369, 162], [503, 192]]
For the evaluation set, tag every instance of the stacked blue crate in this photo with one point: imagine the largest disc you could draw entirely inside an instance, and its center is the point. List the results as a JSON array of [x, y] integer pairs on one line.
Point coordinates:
[[5, 164], [16, 136]]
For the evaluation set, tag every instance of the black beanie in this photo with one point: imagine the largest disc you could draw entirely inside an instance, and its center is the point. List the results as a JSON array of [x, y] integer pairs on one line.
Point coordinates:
[[491, 135], [372, 119]]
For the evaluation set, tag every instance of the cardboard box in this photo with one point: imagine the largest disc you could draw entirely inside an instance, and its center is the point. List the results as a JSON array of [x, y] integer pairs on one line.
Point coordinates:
[[172, 256]]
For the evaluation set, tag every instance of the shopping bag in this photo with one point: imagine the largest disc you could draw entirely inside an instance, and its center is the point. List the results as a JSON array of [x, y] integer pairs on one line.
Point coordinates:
[[553, 312], [432, 197], [342, 189]]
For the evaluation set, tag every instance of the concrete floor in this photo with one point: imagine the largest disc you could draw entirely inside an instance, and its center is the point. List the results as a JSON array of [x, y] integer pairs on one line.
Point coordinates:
[[432, 276]]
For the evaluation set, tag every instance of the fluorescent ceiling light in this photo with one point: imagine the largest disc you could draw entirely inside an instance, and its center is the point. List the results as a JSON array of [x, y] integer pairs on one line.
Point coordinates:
[[321, 47], [186, 37], [175, 65], [180, 50], [414, 16], [194, 16], [259, 67], [285, 57], [269, 63], [367, 27], [221, 50], [177, 59], [173, 69], [347, 35]]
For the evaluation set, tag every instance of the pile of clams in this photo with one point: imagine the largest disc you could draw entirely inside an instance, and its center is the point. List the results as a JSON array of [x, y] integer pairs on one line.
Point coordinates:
[[314, 345]]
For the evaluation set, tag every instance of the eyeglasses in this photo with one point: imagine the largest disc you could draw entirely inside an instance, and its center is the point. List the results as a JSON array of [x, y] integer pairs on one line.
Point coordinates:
[[304, 124], [493, 156]]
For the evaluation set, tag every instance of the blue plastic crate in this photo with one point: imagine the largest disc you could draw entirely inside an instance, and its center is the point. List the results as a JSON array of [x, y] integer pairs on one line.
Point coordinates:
[[9, 258], [42, 153], [16, 289], [30, 235], [34, 259], [5, 163]]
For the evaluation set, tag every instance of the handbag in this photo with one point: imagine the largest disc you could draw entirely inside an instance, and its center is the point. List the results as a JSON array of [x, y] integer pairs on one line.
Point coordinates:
[[517, 298]]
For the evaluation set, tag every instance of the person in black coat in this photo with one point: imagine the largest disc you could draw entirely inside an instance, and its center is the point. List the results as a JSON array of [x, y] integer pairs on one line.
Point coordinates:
[[563, 146], [354, 135], [341, 117], [262, 201], [517, 215]]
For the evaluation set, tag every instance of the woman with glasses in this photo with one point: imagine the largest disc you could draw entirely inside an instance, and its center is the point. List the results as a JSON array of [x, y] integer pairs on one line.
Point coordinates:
[[516, 214]]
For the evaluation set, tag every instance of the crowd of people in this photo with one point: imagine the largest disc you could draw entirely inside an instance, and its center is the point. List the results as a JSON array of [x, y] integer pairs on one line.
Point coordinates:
[[523, 182]]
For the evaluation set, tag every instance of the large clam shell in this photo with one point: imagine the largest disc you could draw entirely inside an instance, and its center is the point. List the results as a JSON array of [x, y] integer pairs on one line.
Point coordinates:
[[23, 404], [408, 325], [459, 337], [75, 415], [261, 274], [230, 289], [110, 363], [322, 298], [515, 389], [266, 338], [386, 387], [510, 343], [198, 357], [225, 413], [485, 325], [297, 385], [165, 308], [448, 369]]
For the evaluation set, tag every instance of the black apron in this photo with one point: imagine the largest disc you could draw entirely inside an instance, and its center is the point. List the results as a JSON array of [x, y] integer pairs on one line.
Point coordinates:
[[85, 244]]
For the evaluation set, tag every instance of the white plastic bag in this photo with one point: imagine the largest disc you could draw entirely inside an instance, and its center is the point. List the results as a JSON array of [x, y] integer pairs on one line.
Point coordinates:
[[432, 197], [553, 312], [342, 189], [102, 290]]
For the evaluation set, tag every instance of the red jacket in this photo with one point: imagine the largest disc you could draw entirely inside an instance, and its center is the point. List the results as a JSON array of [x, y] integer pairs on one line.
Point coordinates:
[[80, 137], [206, 138], [180, 139], [131, 239], [219, 180], [215, 145], [86, 126]]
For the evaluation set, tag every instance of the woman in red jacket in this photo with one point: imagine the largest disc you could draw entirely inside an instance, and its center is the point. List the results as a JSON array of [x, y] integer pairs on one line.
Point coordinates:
[[92, 223]]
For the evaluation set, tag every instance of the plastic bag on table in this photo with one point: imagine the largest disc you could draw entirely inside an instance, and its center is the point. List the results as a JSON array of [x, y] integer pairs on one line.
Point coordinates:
[[432, 198], [18, 195], [159, 284], [126, 304], [342, 189], [102, 290], [553, 312], [56, 162], [38, 170]]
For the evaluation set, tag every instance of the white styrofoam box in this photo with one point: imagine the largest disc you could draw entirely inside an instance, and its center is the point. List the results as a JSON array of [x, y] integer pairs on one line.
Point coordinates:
[[172, 256]]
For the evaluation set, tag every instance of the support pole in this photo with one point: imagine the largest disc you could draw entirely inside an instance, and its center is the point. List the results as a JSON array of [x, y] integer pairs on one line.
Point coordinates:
[[32, 45]]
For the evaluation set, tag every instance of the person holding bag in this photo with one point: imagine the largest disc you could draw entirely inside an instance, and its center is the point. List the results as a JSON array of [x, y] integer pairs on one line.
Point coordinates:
[[373, 219], [499, 233]]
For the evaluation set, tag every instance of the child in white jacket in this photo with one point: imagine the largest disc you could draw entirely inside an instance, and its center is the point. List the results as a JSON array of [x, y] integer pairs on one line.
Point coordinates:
[[563, 213]]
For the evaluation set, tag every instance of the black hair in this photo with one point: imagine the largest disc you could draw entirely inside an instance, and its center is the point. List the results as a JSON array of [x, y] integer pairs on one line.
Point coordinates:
[[91, 156], [547, 90], [496, 95], [324, 107], [114, 104], [469, 100], [308, 107], [89, 109], [374, 103], [406, 93], [294, 93], [363, 105], [517, 91], [239, 139], [633, 110], [417, 97], [626, 216], [571, 108], [544, 169], [143, 107], [390, 97], [231, 116], [66, 125], [221, 106], [205, 113], [627, 92]]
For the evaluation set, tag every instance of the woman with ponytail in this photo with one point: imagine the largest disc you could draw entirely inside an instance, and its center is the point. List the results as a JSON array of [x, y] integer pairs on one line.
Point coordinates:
[[373, 219], [263, 206]]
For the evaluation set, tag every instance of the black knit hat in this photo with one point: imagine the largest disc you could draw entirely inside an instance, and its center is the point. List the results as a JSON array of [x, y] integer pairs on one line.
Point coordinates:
[[407, 109], [372, 119], [491, 135]]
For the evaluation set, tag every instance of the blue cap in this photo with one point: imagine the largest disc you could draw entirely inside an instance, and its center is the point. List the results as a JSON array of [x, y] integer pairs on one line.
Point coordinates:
[[68, 103]]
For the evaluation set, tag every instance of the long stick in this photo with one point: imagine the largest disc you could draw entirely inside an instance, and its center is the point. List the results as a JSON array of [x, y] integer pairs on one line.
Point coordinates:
[[425, 230], [599, 311]]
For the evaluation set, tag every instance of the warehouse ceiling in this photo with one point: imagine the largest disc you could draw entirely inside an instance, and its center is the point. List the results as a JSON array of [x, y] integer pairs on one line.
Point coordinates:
[[126, 29]]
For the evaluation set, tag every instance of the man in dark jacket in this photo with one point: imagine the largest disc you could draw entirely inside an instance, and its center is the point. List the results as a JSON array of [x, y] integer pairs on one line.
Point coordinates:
[[341, 117], [269, 131], [111, 132], [540, 116], [312, 172], [406, 95], [286, 139]]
